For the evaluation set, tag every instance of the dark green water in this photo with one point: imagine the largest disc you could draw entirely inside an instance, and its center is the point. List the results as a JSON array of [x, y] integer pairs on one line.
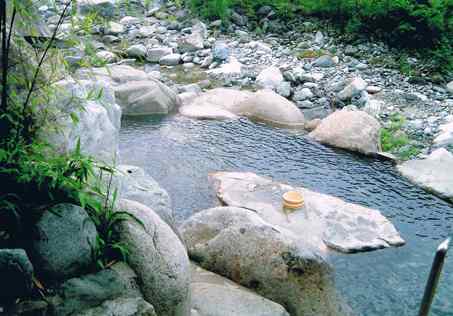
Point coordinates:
[[179, 153]]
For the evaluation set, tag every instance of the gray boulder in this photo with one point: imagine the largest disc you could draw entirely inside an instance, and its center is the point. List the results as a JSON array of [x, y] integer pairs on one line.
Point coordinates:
[[220, 51], [146, 97], [351, 130], [450, 87], [97, 292], [63, 244], [154, 54], [170, 60], [132, 306], [324, 61], [158, 258], [434, 173], [105, 8], [214, 295], [270, 78], [238, 244], [137, 51], [354, 88], [16, 273], [98, 121], [135, 184]]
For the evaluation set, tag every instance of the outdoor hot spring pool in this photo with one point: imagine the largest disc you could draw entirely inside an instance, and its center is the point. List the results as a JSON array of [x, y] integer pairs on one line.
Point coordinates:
[[179, 153]]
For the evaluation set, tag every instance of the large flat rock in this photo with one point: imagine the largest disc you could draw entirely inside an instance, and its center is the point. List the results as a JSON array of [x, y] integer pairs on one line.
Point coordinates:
[[324, 221], [434, 174]]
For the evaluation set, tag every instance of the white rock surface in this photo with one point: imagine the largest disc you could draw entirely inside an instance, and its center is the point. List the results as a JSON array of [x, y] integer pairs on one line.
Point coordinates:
[[324, 221], [356, 86], [435, 173], [270, 78], [445, 136]]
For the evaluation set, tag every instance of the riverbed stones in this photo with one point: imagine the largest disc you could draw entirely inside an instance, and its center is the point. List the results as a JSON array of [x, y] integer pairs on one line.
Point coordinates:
[[64, 240], [146, 97], [445, 136], [16, 273], [154, 54], [269, 78], [137, 51], [434, 173], [170, 60], [325, 61], [135, 184], [220, 51], [450, 87], [324, 221], [238, 244], [352, 89], [351, 130], [214, 295], [158, 258]]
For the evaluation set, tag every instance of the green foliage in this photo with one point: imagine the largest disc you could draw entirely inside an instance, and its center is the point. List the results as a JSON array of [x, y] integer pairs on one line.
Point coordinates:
[[394, 140], [33, 176]]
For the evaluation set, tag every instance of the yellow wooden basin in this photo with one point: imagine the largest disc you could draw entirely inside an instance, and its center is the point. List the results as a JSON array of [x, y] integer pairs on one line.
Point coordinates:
[[293, 200]]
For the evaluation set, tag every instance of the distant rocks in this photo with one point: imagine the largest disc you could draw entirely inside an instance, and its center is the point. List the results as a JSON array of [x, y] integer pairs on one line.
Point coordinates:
[[434, 173], [105, 8], [155, 54], [450, 87], [270, 78], [352, 89], [170, 60], [351, 130], [325, 61]]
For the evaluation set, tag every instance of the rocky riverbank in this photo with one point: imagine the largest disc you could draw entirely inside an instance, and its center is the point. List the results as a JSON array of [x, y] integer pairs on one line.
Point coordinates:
[[158, 60]]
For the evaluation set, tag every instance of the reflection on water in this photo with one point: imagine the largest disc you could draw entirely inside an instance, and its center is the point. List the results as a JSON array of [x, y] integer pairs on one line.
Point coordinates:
[[179, 153]]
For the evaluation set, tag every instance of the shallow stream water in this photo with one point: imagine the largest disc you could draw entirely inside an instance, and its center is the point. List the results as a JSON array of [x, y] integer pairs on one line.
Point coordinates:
[[180, 153]]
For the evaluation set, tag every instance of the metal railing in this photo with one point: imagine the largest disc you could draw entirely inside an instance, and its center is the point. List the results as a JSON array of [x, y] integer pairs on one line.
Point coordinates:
[[434, 275]]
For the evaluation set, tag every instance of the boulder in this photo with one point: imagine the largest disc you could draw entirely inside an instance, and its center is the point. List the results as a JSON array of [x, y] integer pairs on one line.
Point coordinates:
[[450, 87], [191, 42], [134, 306], [136, 51], [146, 97], [434, 173], [170, 60], [215, 104], [232, 68], [16, 273], [220, 51], [324, 61], [324, 221], [214, 295], [93, 121], [64, 240], [268, 106], [354, 88], [238, 244], [105, 8], [351, 130], [270, 78], [154, 54], [116, 74], [97, 291], [135, 184], [158, 258], [445, 136]]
